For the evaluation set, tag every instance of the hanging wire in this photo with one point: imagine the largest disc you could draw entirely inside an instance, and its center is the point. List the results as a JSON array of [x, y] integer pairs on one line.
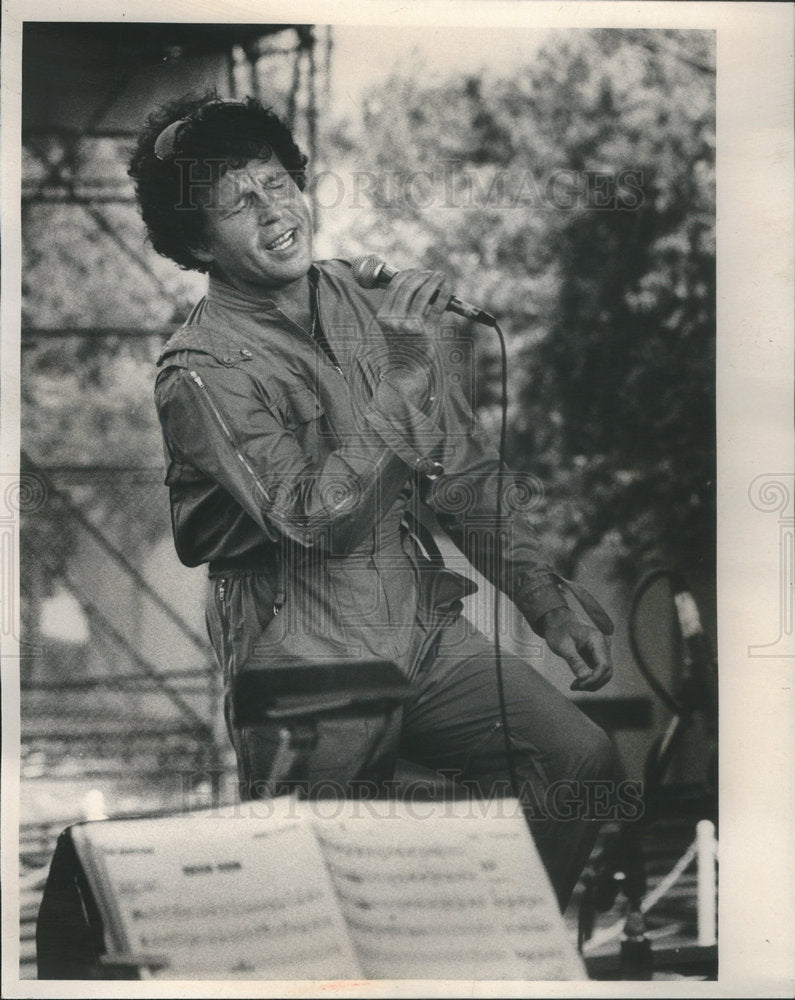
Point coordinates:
[[498, 543]]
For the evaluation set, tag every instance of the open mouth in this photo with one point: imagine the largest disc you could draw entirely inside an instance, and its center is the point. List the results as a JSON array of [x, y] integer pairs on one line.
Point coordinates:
[[283, 242]]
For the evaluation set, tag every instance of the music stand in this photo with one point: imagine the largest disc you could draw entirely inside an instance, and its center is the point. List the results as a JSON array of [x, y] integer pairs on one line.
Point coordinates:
[[318, 726]]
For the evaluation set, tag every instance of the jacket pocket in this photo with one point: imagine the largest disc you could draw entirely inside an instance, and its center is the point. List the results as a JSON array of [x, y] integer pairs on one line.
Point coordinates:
[[245, 604], [299, 406], [442, 592]]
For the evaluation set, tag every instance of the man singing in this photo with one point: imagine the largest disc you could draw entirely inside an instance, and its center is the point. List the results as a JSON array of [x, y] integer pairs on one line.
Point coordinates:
[[308, 423]]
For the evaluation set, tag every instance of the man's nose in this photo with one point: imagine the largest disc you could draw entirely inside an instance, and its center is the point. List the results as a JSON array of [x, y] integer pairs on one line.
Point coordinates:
[[267, 206]]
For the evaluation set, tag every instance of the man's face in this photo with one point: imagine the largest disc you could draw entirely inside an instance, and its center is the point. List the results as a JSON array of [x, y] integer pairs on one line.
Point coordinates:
[[258, 231]]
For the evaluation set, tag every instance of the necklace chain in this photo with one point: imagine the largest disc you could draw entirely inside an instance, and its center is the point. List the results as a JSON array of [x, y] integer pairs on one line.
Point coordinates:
[[320, 338], [313, 306]]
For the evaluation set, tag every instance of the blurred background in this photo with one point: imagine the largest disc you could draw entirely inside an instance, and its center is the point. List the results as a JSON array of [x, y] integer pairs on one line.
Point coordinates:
[[565, 181]]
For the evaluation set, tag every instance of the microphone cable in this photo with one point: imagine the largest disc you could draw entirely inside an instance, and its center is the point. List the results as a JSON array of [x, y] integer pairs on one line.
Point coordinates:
[[498, 563], [369, 271]]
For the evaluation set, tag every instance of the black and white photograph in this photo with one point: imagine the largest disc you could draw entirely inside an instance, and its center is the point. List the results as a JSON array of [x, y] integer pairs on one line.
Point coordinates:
[[396, 481]]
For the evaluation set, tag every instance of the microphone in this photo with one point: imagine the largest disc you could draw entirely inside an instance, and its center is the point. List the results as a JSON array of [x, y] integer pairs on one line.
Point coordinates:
[[697, 648], [370, 271], [700, 690]]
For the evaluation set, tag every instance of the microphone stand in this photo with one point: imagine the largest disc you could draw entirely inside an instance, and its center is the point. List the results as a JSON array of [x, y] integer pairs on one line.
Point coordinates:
[[619, 866]]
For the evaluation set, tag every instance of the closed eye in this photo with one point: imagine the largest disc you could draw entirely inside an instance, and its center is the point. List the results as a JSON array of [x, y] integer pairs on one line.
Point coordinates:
[[250, 198], [238, 206]]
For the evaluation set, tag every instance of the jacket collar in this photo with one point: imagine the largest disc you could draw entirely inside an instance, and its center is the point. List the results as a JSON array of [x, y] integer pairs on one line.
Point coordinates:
[[226, 295], [226, 343]]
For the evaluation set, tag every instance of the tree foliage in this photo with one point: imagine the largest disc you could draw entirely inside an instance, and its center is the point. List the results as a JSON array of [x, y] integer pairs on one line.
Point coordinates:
[[573, 198], [576, 198]]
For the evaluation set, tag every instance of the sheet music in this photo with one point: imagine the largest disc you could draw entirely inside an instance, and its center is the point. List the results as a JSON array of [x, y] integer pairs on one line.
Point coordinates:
[[223, 898], [529, 919], [345, 890], [426, 897]]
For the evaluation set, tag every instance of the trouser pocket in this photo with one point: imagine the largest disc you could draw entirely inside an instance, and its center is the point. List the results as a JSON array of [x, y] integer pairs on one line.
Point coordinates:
[[241, 606]]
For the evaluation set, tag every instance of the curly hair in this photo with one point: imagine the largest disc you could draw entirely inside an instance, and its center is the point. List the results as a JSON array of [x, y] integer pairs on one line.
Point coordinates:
[[216, 135]]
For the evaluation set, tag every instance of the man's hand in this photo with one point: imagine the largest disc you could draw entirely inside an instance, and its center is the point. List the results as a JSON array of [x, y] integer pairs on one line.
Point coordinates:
[[414, 302], [583, 647], [409, 319]]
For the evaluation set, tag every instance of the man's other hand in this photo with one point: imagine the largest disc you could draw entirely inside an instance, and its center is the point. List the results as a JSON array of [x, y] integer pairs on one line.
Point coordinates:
[[582, 646]]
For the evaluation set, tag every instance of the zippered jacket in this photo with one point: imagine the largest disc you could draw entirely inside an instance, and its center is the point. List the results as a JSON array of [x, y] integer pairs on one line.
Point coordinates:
[[302, 475]]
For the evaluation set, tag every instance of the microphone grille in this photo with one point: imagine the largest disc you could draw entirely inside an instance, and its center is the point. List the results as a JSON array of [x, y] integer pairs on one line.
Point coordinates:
[[366, 269]]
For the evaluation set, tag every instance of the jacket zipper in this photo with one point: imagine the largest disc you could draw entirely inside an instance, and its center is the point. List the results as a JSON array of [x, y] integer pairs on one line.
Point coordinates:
[[205, 394], [223, 615]]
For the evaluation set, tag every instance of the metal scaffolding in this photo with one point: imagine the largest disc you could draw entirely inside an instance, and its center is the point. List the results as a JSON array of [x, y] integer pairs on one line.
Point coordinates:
[[86, 273]]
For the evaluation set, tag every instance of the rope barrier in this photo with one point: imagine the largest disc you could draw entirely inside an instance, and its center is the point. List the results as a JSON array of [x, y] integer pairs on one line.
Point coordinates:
[[614, 930]]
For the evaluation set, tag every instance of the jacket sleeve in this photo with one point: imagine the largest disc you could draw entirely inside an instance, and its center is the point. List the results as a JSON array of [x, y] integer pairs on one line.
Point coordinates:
[[215, 421], [464, 499]]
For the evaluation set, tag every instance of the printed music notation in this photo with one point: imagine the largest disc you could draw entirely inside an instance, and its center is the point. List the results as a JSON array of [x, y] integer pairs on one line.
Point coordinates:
[[303, 895], [218, 898], [463, 898]]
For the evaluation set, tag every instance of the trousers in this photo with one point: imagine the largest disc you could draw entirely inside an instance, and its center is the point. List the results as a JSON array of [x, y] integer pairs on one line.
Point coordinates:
[[562, 761], [452, 724]]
